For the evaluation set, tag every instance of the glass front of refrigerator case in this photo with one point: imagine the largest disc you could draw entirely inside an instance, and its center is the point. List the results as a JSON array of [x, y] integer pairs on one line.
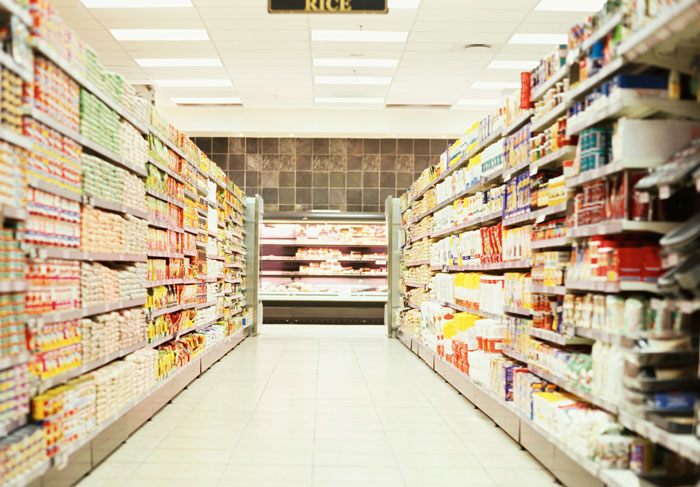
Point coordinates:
[[324, 269]]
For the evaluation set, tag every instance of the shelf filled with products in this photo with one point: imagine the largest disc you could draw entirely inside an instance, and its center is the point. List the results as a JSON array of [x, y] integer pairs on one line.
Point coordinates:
[[331, 256], [579, 293], [97, 285]]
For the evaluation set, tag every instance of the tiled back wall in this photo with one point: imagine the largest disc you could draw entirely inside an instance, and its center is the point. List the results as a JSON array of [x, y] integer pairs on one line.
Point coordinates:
[[351, 175]]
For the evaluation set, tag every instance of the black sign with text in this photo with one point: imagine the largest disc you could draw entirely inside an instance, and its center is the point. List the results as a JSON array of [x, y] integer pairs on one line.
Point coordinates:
[[327, 6]]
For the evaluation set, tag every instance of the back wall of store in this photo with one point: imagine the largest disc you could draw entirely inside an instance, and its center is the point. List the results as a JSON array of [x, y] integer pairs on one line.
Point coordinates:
[[303, 174]]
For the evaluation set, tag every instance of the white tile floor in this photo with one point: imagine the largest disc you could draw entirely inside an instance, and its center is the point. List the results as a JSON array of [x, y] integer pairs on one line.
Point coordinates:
[[319, 406]]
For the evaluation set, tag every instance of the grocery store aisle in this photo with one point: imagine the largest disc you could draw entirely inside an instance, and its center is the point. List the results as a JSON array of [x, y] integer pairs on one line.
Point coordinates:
[[321, 406]]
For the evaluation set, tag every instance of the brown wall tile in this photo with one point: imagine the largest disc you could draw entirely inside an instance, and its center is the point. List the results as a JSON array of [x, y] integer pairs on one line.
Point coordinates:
[[253, 162], [303, 179], [270, 179], [404, 146], [303, 195], [337, 180], [338, 147], [387, 146], [270, 146], [219, 145], [387, 163], [287, 179], [354, 163], [286, 195], [251, 146], [321, 146], [321, 180], [354, 179], [270, 195], [303, 162], [320, 162], [371, 146], [338, 162], [387, 179], [356, 147], [236, 162], [370, 179], [287, 146], [370, 162], [305, 146], [236, 145]]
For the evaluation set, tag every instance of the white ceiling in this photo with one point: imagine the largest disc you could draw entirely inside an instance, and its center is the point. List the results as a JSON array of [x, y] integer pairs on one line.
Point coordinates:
[[268, 59]]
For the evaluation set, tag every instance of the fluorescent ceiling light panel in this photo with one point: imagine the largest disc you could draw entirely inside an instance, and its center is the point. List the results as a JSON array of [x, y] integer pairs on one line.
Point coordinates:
[[478, 102], [538, 39], [207, 101], [160, 34], [351, 80], [137, 3], [196, 83], [355, 63], [404, 4], [526, 65], [366, 101], [178, 62], [495, 85], [571, 5], [358, 36]]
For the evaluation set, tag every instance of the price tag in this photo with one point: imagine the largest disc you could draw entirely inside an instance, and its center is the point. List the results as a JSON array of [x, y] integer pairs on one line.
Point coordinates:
[[533, 169], [381, 262], [664, 192], [540, 218], [643, 197]]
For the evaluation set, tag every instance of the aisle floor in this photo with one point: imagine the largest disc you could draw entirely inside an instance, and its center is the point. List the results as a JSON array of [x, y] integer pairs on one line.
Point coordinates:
[[319, 406]]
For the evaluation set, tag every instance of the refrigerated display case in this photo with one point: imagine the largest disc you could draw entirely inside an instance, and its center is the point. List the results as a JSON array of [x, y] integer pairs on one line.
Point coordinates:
[[321, 268]]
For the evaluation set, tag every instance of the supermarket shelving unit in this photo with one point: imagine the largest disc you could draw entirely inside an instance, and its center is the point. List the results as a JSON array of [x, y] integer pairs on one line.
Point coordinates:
[[288, 290], [226, 231], [668, 40]]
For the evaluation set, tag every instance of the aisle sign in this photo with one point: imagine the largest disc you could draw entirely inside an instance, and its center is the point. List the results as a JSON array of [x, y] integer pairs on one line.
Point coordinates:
[[328, 6]]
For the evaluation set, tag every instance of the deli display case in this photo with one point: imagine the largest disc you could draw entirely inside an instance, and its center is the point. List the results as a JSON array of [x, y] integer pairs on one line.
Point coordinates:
[[323, 268]]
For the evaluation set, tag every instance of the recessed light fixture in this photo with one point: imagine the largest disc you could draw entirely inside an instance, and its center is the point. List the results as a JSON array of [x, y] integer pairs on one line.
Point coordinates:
[[160, 34], [571, 5], [538, 39], [351, 80], [197, 83], [478, 102], [444, 136], [495, 85], [527, 65], [137, 3], [206, 100], [241, 135], [365, 101], [355, 63], [178, 62], [291, 135], [358, 36], [403, 4]]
